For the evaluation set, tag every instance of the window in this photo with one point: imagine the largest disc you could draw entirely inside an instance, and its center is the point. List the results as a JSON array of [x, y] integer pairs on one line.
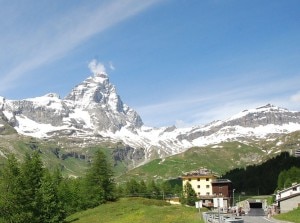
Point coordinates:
[[207, 186], [198, 186], [207, 193], [207, 179], [198, 179], [190, 179]]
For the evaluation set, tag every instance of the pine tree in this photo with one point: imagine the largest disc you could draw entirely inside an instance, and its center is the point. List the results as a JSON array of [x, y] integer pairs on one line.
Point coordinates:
[[100, 183], [11, 209], [167, 189], [143, 188], [31, 179], [51, 208], [72, 195], [132, 188], [153, 190]]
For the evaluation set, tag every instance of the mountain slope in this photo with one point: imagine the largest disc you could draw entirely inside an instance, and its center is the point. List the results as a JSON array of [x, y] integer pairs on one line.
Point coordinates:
[[220, 158]]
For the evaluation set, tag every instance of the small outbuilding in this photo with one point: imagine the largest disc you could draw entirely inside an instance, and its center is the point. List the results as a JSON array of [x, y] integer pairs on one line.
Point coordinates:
[[289, 198]]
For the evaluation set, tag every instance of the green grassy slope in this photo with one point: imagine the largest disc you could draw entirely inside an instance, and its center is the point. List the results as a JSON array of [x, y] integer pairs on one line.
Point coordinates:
[[72, 156], [219, 158], [292, 216], [128, 210]]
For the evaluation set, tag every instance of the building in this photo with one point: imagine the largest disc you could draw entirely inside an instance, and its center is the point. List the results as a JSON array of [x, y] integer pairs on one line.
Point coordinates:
[[207, 187], [297, 153], [289, 198], [223, 188]]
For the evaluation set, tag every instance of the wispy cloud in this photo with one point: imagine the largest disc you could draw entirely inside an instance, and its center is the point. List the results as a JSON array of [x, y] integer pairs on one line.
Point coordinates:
[[296, 97], [58, 36], [111, 65], [96, 67], [221, 102]]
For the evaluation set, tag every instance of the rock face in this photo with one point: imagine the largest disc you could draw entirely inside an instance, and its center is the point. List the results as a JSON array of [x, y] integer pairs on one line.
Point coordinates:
[[128, 154], [99, 98]]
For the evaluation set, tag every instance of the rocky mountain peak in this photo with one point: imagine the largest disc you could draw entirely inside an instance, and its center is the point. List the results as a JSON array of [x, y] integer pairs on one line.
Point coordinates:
[[92, 107], [96, 91], [99, 97]]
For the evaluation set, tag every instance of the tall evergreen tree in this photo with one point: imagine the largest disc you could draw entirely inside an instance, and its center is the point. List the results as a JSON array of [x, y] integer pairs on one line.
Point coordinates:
[[99, 179], [51, 208], [31, 178], [11, 209]]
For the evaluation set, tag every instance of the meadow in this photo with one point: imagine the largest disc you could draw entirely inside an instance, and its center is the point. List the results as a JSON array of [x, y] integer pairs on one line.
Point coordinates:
[[128, 210], [292, 216]]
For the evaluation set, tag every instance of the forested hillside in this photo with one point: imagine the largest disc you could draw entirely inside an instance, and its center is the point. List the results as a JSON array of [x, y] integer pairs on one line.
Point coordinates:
[[261, 179]]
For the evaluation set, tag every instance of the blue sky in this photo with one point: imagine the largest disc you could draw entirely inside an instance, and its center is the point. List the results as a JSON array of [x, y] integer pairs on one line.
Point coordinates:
[[173, 61]]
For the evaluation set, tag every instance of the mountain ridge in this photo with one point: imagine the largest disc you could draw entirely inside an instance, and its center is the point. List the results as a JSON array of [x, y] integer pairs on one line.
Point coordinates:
[[94, 111]]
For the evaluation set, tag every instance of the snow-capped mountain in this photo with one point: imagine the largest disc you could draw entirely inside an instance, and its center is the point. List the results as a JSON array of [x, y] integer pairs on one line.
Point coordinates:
[[93, 110], [92, 107]]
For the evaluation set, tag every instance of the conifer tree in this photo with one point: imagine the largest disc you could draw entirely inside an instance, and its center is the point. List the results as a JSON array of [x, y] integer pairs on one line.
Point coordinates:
[[153, 190], [31, 179], [71, 194], [10, 192], [99, 179], [132, 187], [51, 208], [143, 188]]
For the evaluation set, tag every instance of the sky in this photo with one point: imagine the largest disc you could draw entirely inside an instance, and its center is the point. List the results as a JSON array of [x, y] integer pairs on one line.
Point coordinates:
[[176, 62]]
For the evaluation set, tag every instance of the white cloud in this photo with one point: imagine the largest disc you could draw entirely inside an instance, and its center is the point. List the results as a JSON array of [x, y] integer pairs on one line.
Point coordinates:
[[96, 67], [296, 97], [111, 66], [181, 124], [218, 102]]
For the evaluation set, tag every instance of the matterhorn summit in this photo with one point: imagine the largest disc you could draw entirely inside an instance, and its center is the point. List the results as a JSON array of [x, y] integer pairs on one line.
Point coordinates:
[[91, 108], [98, 97]]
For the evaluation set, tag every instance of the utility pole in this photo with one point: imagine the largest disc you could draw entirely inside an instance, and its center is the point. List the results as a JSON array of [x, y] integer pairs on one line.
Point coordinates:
[[219, 205], [219, 210], [233, 197]]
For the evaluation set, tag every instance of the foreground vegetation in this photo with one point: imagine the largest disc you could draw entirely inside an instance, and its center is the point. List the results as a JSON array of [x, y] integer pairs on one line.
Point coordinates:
[[128, 210], [292, 216], [31, 193]]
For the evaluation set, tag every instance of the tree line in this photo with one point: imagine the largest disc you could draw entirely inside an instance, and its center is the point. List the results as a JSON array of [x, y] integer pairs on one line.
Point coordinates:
[[150, 189], [29, 192], [267, 177], [287, 177]]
